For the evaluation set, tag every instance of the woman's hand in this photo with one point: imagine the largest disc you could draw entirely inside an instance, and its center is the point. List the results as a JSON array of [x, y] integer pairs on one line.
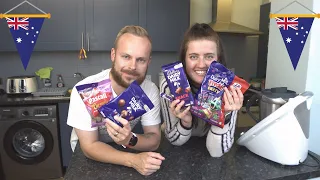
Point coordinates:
[[183, 114], [232, 100]]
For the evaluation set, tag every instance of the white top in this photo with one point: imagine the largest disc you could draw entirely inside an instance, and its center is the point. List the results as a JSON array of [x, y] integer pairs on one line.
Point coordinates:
[[79, 117]]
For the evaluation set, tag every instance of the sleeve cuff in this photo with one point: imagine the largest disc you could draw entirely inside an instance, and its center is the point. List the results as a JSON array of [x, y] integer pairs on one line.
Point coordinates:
[[183, 130]]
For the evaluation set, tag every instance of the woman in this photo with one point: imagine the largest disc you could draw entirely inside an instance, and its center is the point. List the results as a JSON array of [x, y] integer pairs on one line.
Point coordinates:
[[200, 46]]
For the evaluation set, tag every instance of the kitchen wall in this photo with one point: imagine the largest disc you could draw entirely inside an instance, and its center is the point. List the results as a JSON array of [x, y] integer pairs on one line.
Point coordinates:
[[280, 71], [246, 13], [67, 63], [241, 54]]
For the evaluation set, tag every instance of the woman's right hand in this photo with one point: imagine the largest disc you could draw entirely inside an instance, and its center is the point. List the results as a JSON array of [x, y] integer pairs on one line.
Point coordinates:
[[182, 113]]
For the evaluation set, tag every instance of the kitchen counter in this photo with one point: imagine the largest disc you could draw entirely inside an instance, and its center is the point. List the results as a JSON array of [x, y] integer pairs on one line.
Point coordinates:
[[13, 100], [192, 161]]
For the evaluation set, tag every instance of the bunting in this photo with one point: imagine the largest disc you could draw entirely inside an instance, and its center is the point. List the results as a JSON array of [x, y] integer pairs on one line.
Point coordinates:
[[25, 30], [294, 29]]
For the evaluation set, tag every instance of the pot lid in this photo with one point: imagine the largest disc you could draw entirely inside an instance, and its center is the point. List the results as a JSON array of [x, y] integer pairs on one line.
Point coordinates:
[[21, 77], [279, 92]]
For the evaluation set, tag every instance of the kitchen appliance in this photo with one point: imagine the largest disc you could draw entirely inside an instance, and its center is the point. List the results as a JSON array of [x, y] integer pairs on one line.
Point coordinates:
[[21, 84], [29, 142], [269, 100], [282, 136]]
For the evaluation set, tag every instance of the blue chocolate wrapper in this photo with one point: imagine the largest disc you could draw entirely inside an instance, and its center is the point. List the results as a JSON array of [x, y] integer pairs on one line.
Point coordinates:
[[208, 105], [130, 104], [178, 83]]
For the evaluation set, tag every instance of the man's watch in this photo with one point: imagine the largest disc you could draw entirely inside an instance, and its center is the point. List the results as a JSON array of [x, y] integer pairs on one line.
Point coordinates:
[[134, 139]]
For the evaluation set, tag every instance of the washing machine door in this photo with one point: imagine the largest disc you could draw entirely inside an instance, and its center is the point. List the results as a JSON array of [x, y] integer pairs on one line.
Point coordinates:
[[28, 142]]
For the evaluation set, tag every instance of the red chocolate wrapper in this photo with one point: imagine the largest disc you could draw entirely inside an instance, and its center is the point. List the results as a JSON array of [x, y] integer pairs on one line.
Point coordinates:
[[240, 83]]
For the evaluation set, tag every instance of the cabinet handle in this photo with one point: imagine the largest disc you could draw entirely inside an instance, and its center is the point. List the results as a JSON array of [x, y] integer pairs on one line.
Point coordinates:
[[82, 40], [88, 42]]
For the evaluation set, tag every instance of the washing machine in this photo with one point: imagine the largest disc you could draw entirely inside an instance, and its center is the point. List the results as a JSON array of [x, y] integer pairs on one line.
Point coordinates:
[[29, 142]]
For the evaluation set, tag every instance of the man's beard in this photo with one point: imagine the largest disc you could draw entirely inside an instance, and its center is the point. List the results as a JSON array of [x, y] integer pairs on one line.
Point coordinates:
[[120, 81]]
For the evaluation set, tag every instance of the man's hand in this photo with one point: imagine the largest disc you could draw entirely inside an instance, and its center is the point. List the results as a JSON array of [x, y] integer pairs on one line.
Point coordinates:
[[147, 163], [183, 114], [120, 135]]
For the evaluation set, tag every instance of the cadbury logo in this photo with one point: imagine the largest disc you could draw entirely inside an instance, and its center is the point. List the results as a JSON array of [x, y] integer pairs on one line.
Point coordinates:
[[219, 80], [173, 75], [97, 98]]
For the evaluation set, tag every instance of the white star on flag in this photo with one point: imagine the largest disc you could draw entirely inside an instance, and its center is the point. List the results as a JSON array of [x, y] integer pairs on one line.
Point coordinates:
[[288, 40], [19, 40]]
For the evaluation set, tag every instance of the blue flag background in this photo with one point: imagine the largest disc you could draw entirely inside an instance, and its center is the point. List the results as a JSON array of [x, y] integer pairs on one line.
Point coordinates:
[[294, 33], [25, 40]]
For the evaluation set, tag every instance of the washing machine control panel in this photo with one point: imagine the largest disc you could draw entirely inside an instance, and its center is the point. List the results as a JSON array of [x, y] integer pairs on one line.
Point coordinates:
[[30, 112], [7, 113]]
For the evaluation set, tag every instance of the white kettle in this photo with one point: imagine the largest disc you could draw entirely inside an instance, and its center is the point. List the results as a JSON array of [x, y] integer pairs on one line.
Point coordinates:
[[282, 136]]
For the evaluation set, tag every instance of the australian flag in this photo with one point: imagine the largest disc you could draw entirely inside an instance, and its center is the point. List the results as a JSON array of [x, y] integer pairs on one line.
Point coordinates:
[[25, 32], [294, 32]]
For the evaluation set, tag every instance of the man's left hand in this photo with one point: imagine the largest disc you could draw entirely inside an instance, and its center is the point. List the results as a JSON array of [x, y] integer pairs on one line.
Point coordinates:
[[120, 135]]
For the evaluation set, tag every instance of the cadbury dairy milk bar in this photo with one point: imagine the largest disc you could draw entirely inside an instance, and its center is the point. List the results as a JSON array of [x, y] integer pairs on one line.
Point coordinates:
[[130, 104], [178, 83]]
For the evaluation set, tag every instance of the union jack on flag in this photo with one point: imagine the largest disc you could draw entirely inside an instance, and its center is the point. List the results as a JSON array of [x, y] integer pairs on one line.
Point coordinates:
[[17, 23], [286, 22]]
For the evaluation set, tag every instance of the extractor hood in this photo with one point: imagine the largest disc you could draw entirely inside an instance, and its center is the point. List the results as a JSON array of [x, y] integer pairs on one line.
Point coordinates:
[[222, 19]]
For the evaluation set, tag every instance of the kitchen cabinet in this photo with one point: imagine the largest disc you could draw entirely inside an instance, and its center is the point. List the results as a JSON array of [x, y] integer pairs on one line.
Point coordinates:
[[263, 40], [65, 133], [63, 30], [166, 22], [105, 18], [100, 20], [6, 40]]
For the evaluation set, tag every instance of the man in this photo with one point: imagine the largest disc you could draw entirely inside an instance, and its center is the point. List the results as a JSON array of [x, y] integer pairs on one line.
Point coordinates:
[[130, 57]]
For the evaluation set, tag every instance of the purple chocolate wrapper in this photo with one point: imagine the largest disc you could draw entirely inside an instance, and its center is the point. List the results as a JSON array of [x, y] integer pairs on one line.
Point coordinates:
[[208, 99], [95, 95], [178, 83], [130, 104]]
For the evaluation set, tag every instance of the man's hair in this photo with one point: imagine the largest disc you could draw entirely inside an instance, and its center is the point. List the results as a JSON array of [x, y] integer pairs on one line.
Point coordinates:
[[134, 30]]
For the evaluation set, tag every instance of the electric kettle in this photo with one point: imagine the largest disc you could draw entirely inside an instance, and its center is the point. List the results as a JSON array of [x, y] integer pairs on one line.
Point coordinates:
[[269, 100]]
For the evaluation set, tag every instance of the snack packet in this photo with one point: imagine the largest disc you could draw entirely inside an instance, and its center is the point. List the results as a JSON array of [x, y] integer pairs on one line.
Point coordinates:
[[130, 104], [209, 99], [94, 95], [178, 83]]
